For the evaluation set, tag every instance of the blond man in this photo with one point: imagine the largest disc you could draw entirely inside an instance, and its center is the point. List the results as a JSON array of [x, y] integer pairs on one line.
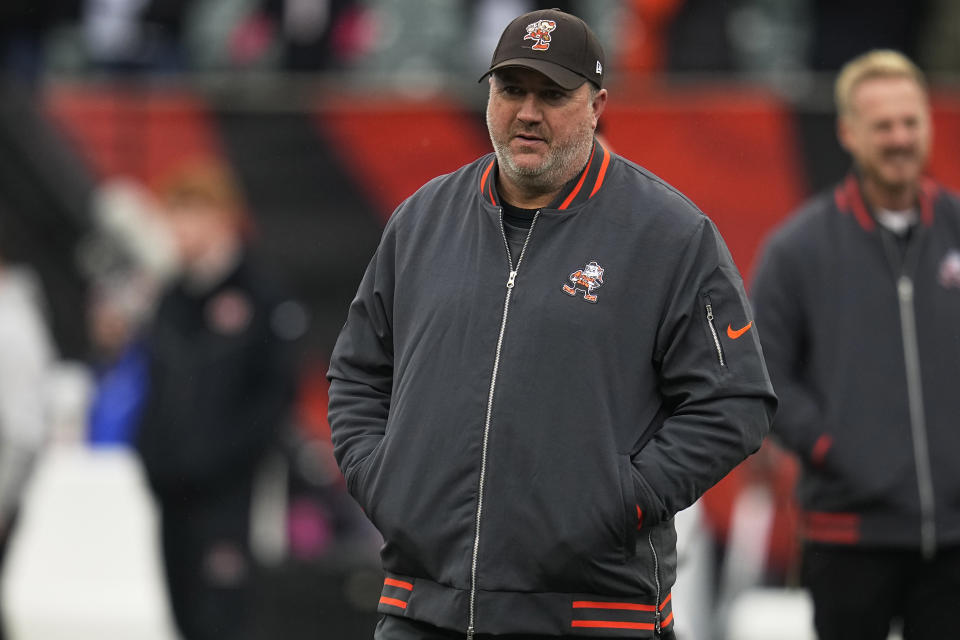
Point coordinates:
[[858, 300]]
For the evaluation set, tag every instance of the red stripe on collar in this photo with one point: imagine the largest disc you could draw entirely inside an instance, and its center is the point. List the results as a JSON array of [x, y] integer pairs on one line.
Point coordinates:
[[849, 199], [852, 202], [928, 195]]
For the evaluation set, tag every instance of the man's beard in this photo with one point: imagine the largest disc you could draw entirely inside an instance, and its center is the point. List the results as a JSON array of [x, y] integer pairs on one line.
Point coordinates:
[[876, 172], [560, 166]]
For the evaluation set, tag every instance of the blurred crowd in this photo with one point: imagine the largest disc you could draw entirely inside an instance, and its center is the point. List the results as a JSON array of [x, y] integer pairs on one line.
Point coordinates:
[[192, 371], [765, 37]]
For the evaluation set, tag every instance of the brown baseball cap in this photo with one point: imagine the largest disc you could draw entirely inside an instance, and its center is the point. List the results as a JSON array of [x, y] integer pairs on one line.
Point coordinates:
[[557, 44]]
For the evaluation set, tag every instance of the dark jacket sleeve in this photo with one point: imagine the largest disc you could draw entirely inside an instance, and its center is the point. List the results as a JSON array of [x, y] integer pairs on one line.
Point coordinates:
[[717, 395], [361, 367], [776, 292]]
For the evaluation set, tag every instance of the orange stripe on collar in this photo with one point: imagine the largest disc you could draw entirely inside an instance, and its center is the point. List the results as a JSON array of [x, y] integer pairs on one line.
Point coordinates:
[[576, 189], [603, 172], [595, 172], [483, 182]]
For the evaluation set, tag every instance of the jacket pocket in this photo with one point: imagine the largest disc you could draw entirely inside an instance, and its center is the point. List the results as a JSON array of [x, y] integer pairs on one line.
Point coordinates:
[[358, 483], [631, 515]]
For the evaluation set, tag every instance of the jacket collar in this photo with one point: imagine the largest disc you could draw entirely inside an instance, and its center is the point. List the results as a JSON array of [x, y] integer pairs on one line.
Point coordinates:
[[848, 197], [576, 192]]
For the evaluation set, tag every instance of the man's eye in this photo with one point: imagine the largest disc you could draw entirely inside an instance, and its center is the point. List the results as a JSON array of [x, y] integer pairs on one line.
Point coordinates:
[[554, 96], [512, 91]]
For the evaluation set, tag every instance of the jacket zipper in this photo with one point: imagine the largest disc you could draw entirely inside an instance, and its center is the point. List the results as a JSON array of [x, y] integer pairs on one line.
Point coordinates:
[[918, 423], [716, 336], [903, 266], [511, 282], [656, 577]]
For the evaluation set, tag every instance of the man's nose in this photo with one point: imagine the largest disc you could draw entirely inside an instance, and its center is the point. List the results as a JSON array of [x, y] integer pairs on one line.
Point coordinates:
[[530, 109], [902, 135]]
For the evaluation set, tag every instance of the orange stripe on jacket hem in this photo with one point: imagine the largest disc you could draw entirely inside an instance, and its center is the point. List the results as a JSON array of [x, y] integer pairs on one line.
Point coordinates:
[[665, 601], [841, 536], [398, 583], [393, 602], [576, 189], [604, 624], [586, 604], [603, 172], [832, 519], [820, 448], [667, 620]]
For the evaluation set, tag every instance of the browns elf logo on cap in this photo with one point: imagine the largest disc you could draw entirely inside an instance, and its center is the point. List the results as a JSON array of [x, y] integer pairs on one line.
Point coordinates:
[[540, 31], [563, 48]]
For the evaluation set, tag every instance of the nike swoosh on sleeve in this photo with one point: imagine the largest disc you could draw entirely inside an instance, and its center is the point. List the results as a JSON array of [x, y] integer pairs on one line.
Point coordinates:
[[733, 334]]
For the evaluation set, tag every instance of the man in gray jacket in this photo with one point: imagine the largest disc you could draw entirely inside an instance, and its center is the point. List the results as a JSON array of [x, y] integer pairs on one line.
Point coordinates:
[[858, 297], [549, 356]]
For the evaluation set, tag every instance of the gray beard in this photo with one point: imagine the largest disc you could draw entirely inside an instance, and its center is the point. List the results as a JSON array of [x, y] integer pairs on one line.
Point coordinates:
[[565, 163]]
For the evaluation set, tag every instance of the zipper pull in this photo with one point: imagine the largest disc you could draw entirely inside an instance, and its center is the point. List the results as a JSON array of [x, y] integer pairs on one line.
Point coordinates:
[[470, 633], [710, 312], [905, 288], [510, 281]]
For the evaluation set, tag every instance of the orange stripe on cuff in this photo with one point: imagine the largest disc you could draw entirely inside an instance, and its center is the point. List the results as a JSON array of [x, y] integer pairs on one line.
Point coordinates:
[[576, 189], [604, 624], [393, 602], [667, 620], [586, 604], [603, 172], [398, 583]]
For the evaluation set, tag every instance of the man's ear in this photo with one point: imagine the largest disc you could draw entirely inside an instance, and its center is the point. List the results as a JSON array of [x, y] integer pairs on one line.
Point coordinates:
[[844, 135], [599, 104]]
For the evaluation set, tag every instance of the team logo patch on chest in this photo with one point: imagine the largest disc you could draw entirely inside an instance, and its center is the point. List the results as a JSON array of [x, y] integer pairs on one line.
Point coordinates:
[[540, 31], [229, 312], [949, 274], [588, 280]]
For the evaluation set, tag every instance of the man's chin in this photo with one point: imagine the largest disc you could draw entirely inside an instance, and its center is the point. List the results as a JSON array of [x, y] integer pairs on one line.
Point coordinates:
[[528, 165], [900, 180]]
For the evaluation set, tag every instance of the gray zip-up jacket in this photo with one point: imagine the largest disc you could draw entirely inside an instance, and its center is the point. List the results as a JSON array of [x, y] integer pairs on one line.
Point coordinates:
[[862, 336], [522, 431]]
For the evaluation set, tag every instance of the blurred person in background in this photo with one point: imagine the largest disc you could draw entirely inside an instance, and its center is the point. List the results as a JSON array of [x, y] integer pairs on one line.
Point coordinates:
[[134, 35], [24, 28], [530, 383], [858, 299], [26, 354], [118, 307], [221, 385]]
